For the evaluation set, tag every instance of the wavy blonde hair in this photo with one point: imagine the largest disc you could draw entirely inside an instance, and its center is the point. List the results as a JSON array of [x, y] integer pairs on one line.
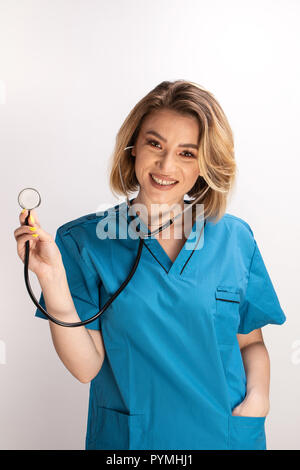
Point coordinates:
[[216, 148]]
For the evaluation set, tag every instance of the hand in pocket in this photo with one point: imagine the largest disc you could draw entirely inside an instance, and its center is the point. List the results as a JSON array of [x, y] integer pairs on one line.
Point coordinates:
[[255, 404]]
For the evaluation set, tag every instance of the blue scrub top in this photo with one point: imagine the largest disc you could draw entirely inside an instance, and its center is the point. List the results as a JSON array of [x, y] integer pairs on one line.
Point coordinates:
[[173, 370]]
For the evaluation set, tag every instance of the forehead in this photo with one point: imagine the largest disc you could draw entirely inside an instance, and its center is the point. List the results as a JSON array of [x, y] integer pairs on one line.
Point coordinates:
[[172, 125]]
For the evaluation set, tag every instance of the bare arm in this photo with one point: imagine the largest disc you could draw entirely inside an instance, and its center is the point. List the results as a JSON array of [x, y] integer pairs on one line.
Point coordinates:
[[257, 368], [80, 351]]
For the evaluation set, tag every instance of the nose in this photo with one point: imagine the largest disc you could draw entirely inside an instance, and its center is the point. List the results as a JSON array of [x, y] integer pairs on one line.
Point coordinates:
[[166, 164]]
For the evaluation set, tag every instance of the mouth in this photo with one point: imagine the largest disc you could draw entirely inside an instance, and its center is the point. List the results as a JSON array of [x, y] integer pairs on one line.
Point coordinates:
[[162, 182]]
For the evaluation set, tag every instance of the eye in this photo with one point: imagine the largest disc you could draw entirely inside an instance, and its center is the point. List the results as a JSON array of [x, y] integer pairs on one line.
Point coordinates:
[[192, 155], [151, 141]]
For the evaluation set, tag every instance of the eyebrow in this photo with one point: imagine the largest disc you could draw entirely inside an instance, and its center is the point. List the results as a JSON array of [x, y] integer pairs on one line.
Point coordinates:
[[151, 131]]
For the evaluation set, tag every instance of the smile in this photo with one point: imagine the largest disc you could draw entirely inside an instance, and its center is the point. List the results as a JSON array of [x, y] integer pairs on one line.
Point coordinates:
[[162, 182]]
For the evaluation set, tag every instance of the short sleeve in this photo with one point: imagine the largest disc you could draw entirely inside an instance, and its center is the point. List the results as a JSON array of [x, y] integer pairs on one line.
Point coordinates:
[[83, 281], [260, 305]]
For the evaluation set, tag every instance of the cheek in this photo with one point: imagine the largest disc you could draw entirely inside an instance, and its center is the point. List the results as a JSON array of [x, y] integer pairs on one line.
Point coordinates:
[[140, 168], [143, 163], [191, 174]]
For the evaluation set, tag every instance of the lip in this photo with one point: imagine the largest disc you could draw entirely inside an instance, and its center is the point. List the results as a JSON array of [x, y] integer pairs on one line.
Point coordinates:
[[165, 178], [159, 186]]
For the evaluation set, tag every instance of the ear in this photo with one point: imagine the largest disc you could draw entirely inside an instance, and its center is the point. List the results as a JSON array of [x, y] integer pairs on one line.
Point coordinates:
[[133, 151]]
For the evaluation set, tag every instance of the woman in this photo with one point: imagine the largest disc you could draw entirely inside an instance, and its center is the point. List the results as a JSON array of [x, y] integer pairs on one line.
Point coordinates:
[[178, 360]]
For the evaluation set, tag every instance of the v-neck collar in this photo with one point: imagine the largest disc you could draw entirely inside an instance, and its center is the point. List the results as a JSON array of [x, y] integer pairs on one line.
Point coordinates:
[[193, 243]]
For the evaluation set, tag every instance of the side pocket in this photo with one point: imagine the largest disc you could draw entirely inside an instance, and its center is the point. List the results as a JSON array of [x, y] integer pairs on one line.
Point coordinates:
[[247, 433], [226, 315], [116, 430]]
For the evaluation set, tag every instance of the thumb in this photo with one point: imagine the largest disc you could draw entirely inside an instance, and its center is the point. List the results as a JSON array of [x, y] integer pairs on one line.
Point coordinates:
[[31, 219]]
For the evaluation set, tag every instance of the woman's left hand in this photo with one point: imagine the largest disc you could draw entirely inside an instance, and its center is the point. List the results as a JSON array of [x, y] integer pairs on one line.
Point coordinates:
[[255, 404]]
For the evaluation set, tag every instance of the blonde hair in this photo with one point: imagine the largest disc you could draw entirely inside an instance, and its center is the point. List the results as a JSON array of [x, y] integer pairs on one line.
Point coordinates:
[[216, 148]]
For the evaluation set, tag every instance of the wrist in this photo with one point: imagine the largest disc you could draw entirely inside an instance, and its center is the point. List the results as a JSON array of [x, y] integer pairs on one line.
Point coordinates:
[[57, 275], [57, 296], [259, 398], [258, 392]]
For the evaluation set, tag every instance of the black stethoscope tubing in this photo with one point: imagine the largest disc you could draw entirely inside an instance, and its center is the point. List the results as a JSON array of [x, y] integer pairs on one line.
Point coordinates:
[[107, 304]]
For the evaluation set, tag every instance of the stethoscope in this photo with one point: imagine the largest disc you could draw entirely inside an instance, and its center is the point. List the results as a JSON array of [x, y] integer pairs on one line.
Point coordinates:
[[29, 199]]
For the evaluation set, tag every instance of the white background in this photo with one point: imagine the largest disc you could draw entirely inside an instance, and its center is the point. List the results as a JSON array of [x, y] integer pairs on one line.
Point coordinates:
[[70, 72]]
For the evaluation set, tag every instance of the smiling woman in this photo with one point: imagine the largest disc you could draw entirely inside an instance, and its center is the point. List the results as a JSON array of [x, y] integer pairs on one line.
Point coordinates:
[[165, 166], [165, 172], [180, 361], [172, 117]]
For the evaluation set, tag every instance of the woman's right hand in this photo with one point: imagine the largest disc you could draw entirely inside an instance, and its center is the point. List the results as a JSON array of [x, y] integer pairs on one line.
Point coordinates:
[[44, 255]]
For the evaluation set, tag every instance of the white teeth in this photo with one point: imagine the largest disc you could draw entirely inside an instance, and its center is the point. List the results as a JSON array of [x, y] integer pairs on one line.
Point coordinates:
[[162, 182]]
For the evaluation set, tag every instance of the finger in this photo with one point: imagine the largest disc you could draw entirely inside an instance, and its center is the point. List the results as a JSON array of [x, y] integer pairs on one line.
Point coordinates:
[[32, 220], [37, 233], [24, 229], [22, 239]]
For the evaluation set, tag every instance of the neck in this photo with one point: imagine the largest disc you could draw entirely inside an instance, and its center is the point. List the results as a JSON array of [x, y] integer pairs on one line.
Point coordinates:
[[157, 214]]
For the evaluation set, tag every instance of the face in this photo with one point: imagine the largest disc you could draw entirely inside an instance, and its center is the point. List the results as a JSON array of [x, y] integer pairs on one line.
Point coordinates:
[[166, 149]]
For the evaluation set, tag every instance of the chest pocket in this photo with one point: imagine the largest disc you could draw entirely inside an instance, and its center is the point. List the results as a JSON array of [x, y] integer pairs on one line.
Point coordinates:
[[226, 314]]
